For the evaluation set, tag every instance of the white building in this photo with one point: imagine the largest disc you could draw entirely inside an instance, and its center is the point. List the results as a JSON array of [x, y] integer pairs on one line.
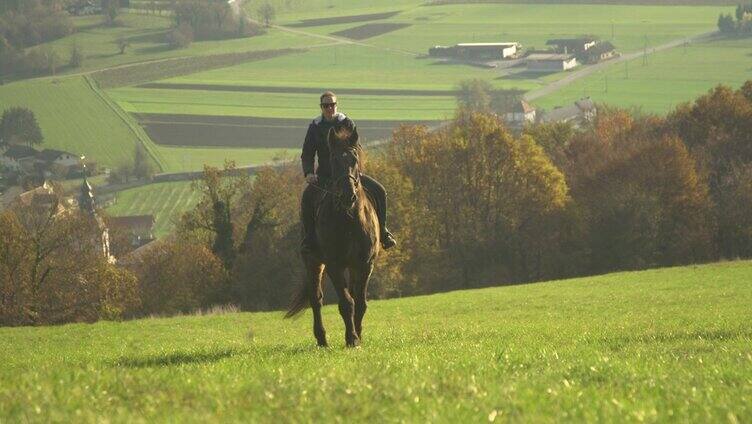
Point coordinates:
[[541, 62]]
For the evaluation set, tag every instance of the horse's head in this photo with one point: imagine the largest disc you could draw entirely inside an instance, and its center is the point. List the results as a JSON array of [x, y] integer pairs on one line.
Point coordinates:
[[344, 154]]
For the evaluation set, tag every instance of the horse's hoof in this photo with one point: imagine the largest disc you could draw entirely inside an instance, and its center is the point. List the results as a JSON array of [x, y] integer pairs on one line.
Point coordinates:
[[323, 344], [354, 344]]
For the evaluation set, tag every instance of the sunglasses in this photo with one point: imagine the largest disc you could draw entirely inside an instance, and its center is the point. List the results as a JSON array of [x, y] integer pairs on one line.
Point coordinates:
[[326, 105]]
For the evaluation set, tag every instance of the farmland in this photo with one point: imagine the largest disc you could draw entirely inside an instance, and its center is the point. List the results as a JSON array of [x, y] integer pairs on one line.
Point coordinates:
[[73, 117], [667, 79], [185, 159], [166, 201], [659, 345]]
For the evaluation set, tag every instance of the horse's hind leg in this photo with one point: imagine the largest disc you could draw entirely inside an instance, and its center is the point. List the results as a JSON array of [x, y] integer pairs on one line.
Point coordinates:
[[315, 272], [360, 287], [346, 305]]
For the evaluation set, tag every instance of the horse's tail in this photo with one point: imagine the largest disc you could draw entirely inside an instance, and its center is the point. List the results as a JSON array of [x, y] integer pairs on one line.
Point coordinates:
[[300, 300]]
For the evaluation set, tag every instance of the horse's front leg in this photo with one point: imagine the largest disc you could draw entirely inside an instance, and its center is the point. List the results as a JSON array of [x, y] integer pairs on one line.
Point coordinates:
[[315, 274], [346, 304], [360, 288]]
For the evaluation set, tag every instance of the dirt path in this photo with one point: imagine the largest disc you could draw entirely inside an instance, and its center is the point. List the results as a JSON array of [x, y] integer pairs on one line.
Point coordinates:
[[589, 70]]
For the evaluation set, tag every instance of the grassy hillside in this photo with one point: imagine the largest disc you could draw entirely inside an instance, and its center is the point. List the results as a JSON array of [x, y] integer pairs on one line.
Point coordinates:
[[667, 79], [166, 201], [661, 345], [74, 117]]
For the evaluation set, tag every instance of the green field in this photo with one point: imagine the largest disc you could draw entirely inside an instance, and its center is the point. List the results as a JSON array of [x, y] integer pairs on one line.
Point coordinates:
[[669, 78], [185, 159], [146, 37], [166, 201], [73, 117], [279, 105], [655, 346]]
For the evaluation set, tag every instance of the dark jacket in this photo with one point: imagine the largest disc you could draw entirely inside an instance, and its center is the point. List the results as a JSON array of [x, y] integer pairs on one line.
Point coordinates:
[[315, 143]]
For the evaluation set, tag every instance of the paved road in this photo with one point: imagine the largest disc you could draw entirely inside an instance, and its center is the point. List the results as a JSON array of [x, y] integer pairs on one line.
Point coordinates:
[[588, 70]]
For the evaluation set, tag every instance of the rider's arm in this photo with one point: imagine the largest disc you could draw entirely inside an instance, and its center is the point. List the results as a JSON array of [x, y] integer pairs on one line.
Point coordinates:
[[309, 150]]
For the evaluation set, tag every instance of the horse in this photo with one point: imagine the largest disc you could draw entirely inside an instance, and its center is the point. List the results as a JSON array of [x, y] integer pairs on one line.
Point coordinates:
[[347, 230]]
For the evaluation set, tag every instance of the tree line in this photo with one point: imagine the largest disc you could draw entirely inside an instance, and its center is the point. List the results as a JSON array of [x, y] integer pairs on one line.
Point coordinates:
[[738, 24], [473, 205]]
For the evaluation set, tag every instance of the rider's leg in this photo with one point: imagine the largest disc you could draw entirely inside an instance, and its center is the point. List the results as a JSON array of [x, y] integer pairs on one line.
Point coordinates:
[[379, 193], [307, 211]]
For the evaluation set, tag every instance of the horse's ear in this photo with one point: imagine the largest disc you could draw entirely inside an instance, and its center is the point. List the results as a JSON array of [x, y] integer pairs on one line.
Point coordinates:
[[353, 139]]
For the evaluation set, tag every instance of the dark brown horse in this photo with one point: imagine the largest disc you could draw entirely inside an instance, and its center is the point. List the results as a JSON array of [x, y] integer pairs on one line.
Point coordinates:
[[347, 230]]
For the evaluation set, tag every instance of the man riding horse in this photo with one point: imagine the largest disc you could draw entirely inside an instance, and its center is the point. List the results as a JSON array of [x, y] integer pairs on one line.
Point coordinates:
[[316, 146]]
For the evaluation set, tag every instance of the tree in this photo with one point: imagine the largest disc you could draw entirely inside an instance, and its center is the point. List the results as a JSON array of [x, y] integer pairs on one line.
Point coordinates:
[[111, 9], [474, 95], [52, 268], [213, 220], [726, 24], [19, 125], [76, 56], [142, 165], [267, 13], [123, 44], [179, 276]]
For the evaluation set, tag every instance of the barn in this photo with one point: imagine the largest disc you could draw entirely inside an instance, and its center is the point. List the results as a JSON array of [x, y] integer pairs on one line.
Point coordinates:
[[550, 62]]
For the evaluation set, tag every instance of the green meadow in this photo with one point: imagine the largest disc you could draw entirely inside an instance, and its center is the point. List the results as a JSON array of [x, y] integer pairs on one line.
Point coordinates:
[[75, 118], [146, 35], [629, 27], [186, 159], [654, 346], [166, 201], [667, 79], [278, 105]]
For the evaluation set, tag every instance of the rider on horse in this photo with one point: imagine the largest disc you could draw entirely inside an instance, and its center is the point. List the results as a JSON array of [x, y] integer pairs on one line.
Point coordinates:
[[316, 145]]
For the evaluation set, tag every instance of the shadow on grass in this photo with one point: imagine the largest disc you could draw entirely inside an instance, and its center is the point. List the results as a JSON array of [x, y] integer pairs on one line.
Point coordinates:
[[620, 342], [524, 75], [175, 358]]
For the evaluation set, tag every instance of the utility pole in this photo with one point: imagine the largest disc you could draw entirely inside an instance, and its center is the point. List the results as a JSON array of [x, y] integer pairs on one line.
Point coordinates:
[[626, 68], [645, 52], [605, 81]]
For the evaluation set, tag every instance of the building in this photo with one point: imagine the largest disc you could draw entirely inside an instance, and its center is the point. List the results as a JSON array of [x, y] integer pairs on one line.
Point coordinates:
[[18, 157], [601, 51], [572, 45], [138, 228], [541, 62], [58, 157], [477, 51], [579, 112], [520, 113]]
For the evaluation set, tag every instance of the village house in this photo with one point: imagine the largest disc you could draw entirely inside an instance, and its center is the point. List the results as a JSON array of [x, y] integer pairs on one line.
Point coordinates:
[[542, 62], [519, 114], [579, 112], [600, 52], [24, 159], [139, 228], [477, 51], [18, 157]]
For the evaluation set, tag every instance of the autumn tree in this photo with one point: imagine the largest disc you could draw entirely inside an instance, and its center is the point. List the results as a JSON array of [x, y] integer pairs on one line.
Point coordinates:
[[53, 268], [212, 219], [177, 276], [486, 190]]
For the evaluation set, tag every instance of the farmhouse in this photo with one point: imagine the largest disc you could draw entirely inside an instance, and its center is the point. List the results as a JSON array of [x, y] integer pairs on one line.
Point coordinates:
[[139, 228], [18, 157], [58, 157], [519, 114], [572, 45], [477, 51], [541, 62], [579, 112], [601, 51]]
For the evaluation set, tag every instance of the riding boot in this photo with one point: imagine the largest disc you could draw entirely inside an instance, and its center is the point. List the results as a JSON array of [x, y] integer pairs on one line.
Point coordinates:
[[379, 194], [307, 211]]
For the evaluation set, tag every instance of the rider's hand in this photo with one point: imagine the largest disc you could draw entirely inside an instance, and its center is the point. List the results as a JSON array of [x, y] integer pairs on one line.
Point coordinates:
[[311, 178]]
